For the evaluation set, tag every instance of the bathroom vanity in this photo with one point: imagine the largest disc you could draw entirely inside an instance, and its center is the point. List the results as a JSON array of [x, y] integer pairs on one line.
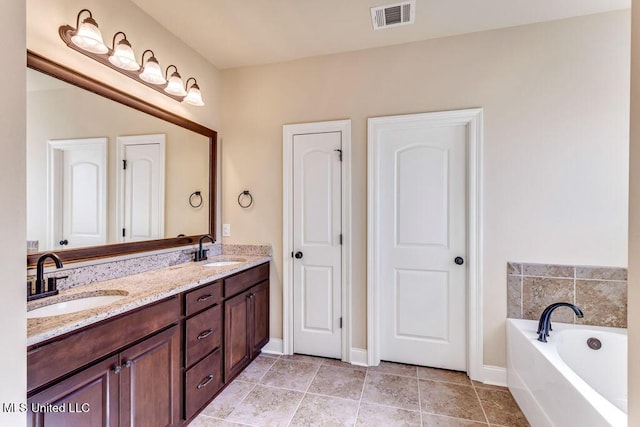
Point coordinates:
[[153, 358]]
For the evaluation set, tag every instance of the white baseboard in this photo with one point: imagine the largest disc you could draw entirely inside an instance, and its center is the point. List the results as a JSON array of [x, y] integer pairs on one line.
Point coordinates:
[[274, 346], [494, 375], [359, 357]]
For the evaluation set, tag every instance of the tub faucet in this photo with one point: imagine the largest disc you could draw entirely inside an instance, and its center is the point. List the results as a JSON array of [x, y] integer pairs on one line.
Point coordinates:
[[544, 324], [201, 254], [49, 288]]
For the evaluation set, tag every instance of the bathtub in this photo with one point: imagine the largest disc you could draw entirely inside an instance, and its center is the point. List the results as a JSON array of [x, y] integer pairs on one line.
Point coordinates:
[[563, 382]]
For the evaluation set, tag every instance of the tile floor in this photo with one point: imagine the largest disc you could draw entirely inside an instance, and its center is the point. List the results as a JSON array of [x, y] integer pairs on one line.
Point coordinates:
[[310, 391]]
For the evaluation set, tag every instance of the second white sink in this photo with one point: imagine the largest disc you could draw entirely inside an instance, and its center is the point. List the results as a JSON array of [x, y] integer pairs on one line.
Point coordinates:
[[73, 306], [225, 262]]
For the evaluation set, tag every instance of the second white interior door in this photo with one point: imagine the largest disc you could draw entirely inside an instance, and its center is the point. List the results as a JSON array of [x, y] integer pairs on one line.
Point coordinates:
[[317, 287], [419, 192]]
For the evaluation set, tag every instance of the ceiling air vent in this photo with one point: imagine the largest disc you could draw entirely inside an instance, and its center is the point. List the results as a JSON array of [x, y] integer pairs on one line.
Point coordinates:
[[393, 15]]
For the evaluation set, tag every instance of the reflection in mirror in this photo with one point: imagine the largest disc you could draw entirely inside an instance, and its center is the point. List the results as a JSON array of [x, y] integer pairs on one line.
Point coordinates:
[[79, 192]]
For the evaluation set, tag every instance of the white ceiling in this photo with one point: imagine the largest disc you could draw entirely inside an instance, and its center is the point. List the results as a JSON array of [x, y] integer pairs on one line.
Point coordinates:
[[237, 33]]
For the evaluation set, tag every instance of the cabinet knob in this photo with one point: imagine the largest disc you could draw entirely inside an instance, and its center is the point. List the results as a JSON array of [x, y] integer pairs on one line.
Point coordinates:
[[459, 260], [128, 364], [298, 255], [206, 381], [116, 369]]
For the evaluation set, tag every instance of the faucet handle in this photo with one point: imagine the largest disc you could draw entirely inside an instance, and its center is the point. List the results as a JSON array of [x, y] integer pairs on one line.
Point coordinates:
[[52, 283]]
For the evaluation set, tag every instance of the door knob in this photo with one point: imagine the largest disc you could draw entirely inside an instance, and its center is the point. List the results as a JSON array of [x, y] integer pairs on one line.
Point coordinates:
[[459, 260], [298, 255], [63, 242]]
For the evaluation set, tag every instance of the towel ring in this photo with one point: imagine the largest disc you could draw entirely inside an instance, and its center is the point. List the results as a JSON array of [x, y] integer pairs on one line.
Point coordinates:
[[245, 193], [195, 199]]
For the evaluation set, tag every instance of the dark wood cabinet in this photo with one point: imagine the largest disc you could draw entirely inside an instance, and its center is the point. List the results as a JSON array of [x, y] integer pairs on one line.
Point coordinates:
[[246, 318], [237, 352], [259, 330], [202, 347], [155, 366], [140, 387], [136, 385], [150, 381], [86, 399]]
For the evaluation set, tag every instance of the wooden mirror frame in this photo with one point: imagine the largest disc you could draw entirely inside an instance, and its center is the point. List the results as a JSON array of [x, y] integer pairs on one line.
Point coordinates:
[[61, 72]]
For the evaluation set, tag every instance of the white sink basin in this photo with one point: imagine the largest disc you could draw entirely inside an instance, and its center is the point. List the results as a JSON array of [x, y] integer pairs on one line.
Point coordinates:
[[73, 306], [225, 262]]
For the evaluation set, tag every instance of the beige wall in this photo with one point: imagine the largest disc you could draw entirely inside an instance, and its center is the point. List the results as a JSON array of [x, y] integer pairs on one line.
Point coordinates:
[[634, 223], [555, 98], [45, 16], [74, 113], [13, 328]]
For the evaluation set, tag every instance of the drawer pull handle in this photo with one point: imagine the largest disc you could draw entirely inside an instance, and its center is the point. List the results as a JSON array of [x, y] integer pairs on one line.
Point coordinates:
[[204, 297], [205, 382], [205, 334]]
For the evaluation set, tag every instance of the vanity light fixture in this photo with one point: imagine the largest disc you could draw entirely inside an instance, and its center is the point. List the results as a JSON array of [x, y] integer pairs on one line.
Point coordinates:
[[152, 73], [87, 35], [87, 39], [194, 97], [122, 55], [174, 85]]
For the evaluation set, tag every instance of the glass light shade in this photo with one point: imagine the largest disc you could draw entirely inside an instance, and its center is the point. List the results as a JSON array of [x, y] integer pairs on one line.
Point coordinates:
[[175, 86], [194, 97], [123, 57], [152, 72], [89, 38]]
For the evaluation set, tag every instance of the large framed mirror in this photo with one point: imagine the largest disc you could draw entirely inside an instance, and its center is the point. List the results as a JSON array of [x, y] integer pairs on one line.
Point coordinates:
[[109, 174]]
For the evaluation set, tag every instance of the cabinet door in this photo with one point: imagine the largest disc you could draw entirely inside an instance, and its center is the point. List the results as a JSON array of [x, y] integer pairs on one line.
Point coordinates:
[[259, 333], [237, 350], [150, 381], [88, 399]]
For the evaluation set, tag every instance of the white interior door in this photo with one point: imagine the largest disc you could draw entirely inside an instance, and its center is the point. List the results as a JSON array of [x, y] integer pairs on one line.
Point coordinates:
[[420, 201], [78, 177], [142, 190], [317, 287]]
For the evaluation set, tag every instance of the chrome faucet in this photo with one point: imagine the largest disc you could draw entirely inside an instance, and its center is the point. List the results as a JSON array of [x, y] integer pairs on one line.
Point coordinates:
[[48, 288], [201, 254], [544, 324]]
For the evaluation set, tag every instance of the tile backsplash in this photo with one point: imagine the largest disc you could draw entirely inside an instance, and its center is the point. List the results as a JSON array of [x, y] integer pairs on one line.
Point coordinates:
[[601, 292]]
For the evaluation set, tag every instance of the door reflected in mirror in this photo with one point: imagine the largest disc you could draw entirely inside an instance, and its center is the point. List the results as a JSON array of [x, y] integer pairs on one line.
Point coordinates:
[[99, 172]]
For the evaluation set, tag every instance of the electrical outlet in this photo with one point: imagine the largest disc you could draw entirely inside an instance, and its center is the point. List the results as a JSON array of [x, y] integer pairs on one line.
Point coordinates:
[[226, 230]]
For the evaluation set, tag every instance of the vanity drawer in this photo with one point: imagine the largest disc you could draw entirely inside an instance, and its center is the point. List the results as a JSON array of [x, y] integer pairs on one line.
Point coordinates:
[[203, 297], [202, 382], [246, 279], [203, 333]]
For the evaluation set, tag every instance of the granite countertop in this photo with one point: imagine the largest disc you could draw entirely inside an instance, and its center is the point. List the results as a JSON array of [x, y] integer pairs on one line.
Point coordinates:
[[139, 290]]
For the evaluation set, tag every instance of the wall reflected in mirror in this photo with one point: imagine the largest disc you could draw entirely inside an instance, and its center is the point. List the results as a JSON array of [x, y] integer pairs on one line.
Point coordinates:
[[81, 193]]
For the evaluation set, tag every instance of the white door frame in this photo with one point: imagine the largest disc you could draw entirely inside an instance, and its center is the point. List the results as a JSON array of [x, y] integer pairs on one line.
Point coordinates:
[[121, 143], [288, 131], [472, 118], [55, 147]]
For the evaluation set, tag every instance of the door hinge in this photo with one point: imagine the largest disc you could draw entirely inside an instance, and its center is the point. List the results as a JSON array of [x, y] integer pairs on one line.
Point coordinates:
[[123, 233], [340, 238], [340, 152], [124, 164], [341, 323]]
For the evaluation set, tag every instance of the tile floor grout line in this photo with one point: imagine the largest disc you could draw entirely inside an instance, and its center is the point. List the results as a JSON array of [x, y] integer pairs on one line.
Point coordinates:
[[419, 396], [304, 395], [366, 372], [481, 405]]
